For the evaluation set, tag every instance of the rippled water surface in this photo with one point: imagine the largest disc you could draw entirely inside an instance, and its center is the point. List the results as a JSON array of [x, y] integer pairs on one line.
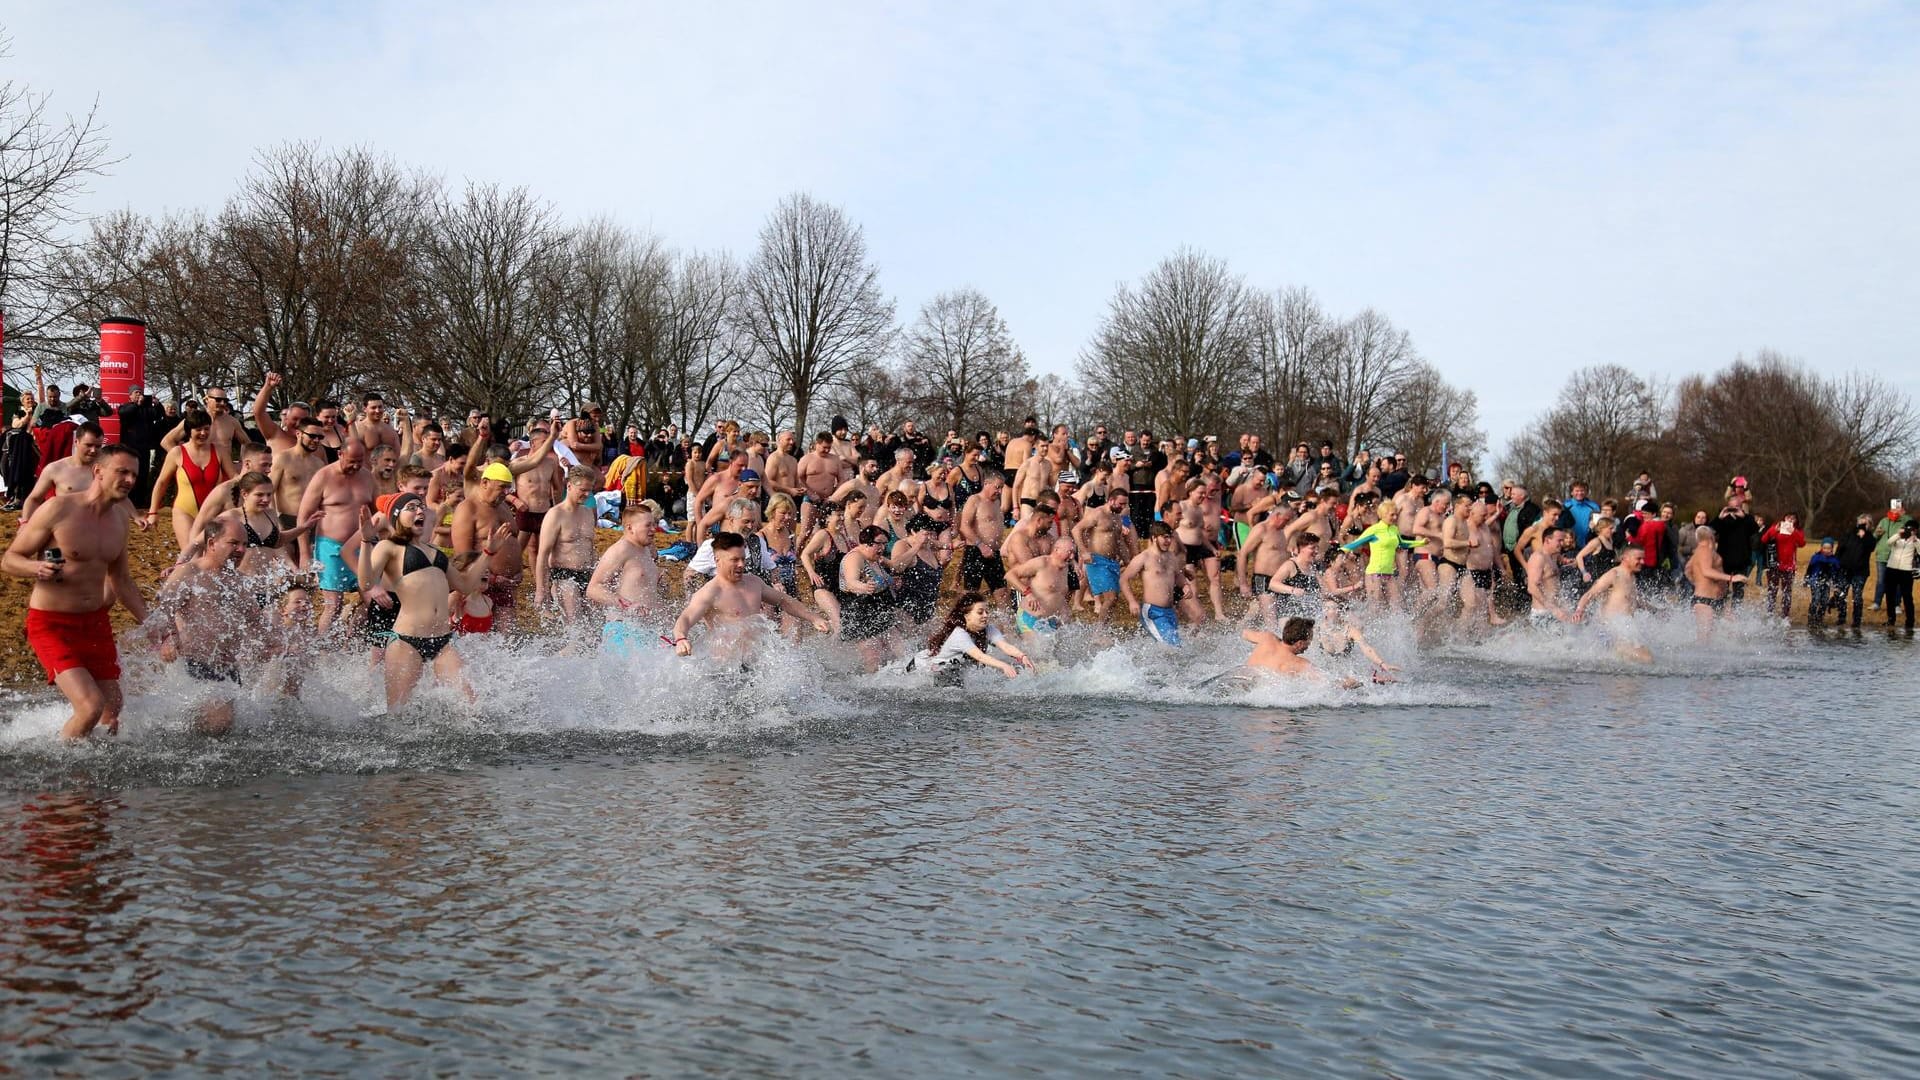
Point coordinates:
[[1524, 860]]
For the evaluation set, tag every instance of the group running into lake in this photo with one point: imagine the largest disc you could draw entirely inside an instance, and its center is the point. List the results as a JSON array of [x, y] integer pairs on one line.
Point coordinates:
[[346, 528]]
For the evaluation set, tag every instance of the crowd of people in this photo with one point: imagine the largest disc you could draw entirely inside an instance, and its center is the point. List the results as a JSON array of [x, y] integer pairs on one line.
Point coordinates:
[[349, 526]]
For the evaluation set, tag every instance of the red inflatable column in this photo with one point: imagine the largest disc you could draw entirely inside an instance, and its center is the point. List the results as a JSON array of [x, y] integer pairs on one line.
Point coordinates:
[[123, 364]]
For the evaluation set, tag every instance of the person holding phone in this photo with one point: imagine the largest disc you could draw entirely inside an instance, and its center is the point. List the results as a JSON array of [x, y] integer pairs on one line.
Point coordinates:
[[75, 553]]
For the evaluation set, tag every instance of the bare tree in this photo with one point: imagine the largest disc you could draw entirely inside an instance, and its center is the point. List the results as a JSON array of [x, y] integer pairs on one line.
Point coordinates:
[[1167, 352], [607, 293], [1428, 413], [1799, 437], [159, 271], [45, 165], [812, 307], [484, 324], [701, 353], [959, 363], [311, 269], [1367, 365], [1605, 427], [1292, 342], [870, 394]]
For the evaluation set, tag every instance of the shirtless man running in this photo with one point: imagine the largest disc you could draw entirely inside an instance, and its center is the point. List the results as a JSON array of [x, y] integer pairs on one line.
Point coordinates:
[[730, 604], [1710, 581], [1618, 595], [1543, 575], [1164, 577], [819, 474], [71, 474], [564, 563], [1197, 525], [203, 601], [1107, 542], [1042, 582], [982, 520], [340, 491], [626, 581], [482, 517], [75, 553]]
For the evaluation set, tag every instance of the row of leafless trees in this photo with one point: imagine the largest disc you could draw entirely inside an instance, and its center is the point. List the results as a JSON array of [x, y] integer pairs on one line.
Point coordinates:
[[347, 273], [1193, 348], [1823, 445]]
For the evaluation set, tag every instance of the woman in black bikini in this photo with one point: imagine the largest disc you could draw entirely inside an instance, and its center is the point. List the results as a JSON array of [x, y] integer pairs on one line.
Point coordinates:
[[410, 582]]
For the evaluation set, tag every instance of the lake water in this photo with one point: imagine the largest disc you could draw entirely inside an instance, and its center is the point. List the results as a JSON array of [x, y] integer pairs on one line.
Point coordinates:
[[1524, 860]]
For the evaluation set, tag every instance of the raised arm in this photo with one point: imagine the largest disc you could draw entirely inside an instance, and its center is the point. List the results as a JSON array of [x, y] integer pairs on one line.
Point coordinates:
[[535, 454], [269, 430]]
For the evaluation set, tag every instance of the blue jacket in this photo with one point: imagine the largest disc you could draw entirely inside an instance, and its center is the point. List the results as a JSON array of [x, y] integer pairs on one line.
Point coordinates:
[[1824, 567], [1582, 511]]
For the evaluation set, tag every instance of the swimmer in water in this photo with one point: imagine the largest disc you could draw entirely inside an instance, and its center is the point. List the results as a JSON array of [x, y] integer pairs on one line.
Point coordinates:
[[730, 604], [210, 623], [1618, 594], [1284, 653], [1710, 582], [962, 642]]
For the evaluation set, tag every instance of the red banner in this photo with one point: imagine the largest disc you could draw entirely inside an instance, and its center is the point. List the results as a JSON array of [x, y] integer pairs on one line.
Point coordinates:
[[123, 365]]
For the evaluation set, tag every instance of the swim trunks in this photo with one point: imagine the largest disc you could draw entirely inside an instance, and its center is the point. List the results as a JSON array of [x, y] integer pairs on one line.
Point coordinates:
[[976, 568], [1261, 583], [500, 590], [476, 624], [1103, 576], [334, 574], [625, 639], [1716, 603], [379, 625], [1197, 554], [577, 578], [528, 521], [1161, 623], [1482, 579], [64, 640], [206, 672], [1026, 622]]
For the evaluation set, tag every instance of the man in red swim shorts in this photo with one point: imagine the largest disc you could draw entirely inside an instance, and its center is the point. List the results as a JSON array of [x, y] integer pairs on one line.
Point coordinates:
[[75, 553]]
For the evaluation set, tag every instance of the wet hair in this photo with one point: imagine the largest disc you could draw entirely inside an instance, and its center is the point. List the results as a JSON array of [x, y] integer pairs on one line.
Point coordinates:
[[922, 523], [1296, 630], [211, 530], [727, 541], [956, 618], [873, 534], [1305, 539]]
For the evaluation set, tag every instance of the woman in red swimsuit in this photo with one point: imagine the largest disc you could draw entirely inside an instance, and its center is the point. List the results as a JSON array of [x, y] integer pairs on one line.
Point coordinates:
[[192, 469]]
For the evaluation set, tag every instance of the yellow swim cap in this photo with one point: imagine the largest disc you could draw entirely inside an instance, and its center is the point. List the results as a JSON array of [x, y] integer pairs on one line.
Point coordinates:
[[497, 471]]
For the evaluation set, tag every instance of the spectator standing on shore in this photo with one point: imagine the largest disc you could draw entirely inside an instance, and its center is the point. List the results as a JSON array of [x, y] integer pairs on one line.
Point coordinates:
[[1883, 533], [1783, 541], [1855, 552], [1734, 533]]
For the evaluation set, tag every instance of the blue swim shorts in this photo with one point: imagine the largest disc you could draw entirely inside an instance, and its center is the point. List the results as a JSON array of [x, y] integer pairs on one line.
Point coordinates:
[[1103, 575], [335, 576], [1161, 623]]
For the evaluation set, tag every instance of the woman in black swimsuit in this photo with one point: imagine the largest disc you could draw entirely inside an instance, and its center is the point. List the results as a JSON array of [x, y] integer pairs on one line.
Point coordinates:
[[820, 560], [268, 560], [409, 581]]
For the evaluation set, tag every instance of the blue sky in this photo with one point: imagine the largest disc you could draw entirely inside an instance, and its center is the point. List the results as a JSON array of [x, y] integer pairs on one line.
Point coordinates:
[[1525, 188]]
